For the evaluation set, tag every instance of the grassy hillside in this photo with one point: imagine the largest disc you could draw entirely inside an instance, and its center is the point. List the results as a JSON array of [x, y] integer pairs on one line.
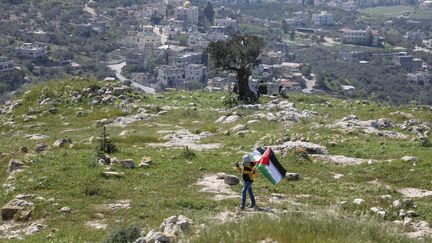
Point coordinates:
[[167, 187]]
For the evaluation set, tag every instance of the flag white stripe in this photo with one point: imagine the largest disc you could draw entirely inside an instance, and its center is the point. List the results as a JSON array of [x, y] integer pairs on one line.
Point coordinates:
[[275, 172]]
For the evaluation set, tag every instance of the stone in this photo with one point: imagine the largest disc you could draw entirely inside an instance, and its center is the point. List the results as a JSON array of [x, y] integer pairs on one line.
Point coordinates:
[[145, 162], [228, 119], [128, 163], [24, 150], [359, 201], [119, 91], [62, 142], [34, 228], [292, 176], [402, 213], [411, 213], [310, 148], [112, 174], [40, 147], [238, 128], [397, 204], [409, 159], [382, 214], [16, 209], [231, 180], [14, 165], [65, 210], [408, 202], [220, 176], [386, 197]]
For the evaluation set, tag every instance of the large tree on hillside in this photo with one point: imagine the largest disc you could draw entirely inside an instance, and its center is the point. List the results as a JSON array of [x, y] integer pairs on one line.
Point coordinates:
[[238, 54]]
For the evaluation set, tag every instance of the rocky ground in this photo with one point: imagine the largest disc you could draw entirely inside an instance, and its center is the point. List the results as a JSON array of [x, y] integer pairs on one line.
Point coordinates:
[[175, 152]]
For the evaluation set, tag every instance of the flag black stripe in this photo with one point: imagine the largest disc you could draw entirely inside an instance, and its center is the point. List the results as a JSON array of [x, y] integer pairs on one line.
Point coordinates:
[[274, 160]]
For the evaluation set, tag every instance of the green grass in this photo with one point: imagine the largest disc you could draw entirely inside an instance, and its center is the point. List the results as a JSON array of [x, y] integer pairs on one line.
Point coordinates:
[[395, 11], [298, 227], [166, 187]]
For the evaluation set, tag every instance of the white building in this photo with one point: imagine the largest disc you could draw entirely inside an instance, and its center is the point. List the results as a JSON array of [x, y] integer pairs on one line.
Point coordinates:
[[39, 36], [216, 36], [226, 22], [196, 72], [31, 50], [6, 65], [141, 40], [419, 77], [323, 18], [187, 13], [171, 76], [350, 7], [366, 37]]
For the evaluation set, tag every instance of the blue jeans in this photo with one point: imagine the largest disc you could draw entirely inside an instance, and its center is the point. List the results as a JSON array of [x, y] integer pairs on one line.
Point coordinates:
[[247, 188]]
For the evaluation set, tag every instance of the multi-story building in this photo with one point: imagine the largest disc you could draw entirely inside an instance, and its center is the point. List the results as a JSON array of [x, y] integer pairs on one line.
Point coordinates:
[[323, 18], [6, 65], [350, 7], [419, 78], [366, 37], [196, 72], [226, 22], [39, 36], [141, 40], [171, 76], [405, 61], [138, 59], [32, 50], [182, 60], [187, 13], [415, 36]]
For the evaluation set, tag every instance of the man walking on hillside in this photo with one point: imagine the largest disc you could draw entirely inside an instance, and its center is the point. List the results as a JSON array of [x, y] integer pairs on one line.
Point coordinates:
[[247, 168]]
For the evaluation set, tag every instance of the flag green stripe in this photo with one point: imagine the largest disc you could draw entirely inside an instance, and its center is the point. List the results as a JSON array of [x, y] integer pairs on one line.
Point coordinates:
[[266, 173]]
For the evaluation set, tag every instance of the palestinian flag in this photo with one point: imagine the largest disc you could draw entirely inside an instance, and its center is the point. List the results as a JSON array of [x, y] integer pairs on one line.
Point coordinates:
[[269, 166]]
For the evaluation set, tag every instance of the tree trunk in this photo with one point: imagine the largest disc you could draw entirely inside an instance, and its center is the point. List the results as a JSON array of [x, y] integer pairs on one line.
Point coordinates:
[[245, 93]]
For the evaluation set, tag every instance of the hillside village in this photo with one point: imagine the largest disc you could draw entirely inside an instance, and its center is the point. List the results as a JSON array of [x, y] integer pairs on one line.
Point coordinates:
[[162, 45]]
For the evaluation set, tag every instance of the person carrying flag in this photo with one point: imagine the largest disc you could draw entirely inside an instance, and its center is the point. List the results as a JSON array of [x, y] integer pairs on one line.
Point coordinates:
[[247, 168]]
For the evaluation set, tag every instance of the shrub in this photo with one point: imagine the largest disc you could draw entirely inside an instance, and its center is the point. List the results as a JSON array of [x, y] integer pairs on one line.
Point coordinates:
[[188, 153], [90, 188], [123, 235], [105, 146]]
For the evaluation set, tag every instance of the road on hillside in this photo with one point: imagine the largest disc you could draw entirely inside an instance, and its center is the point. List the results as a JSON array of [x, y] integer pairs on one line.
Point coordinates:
[[117, 69]]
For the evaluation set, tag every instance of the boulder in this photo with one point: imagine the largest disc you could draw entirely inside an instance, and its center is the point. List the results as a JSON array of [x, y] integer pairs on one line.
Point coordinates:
[[231, 180], [14, 165], [145, 162], [238, 128], [34, 228], [408, 202], [119, 91], [62, 142], [17, 209], [228, 119], [128, 163], [397, 204], [40, 147], [292, 176], [409, 159], [65, 210], [359, 201]]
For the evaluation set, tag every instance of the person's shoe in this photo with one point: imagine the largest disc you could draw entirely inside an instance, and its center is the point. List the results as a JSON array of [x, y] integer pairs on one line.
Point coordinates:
[[252, 206], [242, 207]]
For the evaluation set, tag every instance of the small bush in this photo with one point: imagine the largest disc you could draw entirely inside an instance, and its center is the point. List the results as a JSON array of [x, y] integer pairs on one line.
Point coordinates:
[[90, 188], [105, 146], [123, 235], [230, 102], [188, 153]]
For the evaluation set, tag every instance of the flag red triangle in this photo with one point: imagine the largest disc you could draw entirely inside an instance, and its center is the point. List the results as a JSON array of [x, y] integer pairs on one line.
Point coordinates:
[[265, 158]]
